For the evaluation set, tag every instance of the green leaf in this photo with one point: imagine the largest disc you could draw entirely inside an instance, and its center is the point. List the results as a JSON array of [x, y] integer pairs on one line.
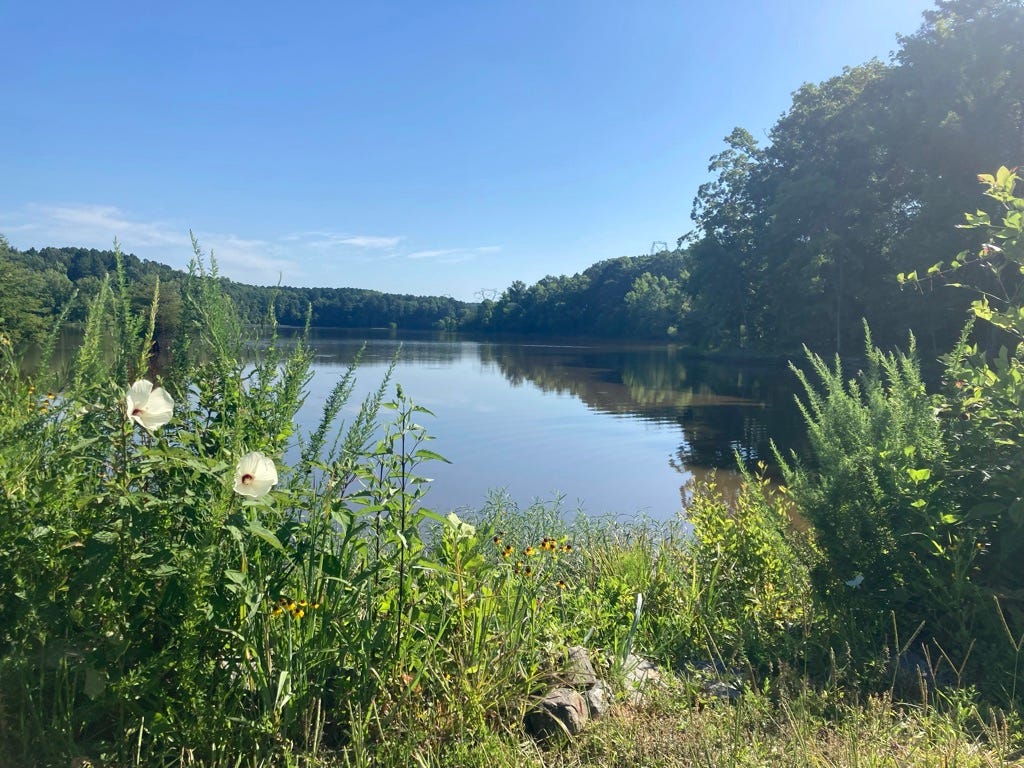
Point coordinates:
[[428, 455], [105, 537], [257, 528], [919, 475]]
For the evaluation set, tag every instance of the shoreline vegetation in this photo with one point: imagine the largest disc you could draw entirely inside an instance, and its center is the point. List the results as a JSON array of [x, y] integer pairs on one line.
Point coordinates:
[[173, 592]]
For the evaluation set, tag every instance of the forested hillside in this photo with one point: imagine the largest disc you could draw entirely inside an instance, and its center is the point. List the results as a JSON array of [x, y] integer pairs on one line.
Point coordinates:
[[35, 285]]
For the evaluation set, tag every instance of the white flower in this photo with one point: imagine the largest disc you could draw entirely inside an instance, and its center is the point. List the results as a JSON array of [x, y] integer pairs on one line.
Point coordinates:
[[856, 581], [254, 475], [152, 408]]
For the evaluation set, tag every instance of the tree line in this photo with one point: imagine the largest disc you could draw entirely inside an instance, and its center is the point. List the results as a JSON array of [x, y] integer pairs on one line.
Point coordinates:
[[797, 239], [36, 285]]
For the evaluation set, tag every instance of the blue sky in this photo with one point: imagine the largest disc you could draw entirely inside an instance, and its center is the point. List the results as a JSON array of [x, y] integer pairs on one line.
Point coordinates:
[[444, 147]]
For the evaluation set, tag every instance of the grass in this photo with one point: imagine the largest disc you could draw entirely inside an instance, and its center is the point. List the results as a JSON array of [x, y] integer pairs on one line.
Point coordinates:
[[160, 608], [800, 729]]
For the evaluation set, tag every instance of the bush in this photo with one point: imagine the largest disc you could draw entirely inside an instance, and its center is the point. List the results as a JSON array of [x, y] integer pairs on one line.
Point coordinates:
[[916, 500]]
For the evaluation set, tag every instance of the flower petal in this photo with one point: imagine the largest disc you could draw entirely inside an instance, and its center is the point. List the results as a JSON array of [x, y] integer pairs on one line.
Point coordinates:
[[255, 475], [148, 407]]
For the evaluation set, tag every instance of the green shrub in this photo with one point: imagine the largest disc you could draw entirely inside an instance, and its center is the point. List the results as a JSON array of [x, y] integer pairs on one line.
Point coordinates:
[[872, 486], [748, 583]]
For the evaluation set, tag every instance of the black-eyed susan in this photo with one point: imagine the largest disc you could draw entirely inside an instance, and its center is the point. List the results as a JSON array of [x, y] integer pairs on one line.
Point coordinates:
[[561, 584], [567, 548], [529, 551], [507, 551]]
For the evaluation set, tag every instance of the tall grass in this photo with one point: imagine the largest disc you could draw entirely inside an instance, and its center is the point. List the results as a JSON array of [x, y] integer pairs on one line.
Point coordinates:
[[174, 592]]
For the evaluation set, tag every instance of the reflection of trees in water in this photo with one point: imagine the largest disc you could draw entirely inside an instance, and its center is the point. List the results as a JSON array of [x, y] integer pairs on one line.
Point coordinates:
[[338, 347], [723, 409]]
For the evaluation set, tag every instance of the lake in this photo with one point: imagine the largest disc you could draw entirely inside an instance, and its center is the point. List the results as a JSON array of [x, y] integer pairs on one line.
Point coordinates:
[[607, 428]]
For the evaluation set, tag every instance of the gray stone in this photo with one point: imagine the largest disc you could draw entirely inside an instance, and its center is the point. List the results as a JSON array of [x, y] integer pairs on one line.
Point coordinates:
[[563, 710], [638, 675], [599, 699], [717, 680], [721, 690], [579, 672], [915, 676]]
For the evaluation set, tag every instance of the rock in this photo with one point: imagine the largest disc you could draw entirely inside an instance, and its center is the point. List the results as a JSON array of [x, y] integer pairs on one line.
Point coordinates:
[[722, 690], [708, 668], [717, 680], [563, 710], [639, 674], [599, 699], [915, 676], [579, 672]]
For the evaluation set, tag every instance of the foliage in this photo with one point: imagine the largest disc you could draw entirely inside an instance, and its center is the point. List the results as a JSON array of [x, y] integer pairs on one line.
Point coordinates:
[[873, 489], [138, 588], [40, 282], [749, 579], [157, 607], [915, 499], [798, 240], [637, 296], [983, 401], [30, 298]]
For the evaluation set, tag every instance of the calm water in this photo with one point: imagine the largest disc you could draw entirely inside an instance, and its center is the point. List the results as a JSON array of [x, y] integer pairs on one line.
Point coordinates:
[[609, 429]]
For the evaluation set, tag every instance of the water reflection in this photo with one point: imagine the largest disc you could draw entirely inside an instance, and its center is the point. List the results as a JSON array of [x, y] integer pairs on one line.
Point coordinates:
[[651, 417], [615, 429], [722, 409]]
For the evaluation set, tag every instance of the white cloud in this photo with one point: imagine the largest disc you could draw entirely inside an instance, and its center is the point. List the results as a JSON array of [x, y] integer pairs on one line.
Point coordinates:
[[251, 261], [364, 241], [90, 225], [316, 257], [336, 239], [454, 255]]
